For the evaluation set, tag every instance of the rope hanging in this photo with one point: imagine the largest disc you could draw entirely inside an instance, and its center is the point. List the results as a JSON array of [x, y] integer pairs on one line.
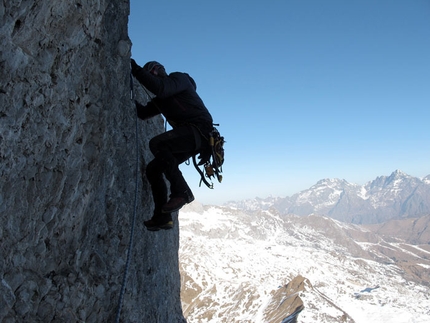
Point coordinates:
[[133, 221]]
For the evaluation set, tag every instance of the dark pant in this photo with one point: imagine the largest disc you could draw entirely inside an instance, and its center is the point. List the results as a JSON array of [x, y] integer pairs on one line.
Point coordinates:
[[170, 149]]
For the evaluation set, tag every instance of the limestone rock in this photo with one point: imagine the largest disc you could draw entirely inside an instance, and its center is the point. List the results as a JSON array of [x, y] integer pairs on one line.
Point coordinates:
[[68, 166]]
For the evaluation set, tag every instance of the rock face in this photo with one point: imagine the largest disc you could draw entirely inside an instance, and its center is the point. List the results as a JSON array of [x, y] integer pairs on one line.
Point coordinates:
[[69, 169]]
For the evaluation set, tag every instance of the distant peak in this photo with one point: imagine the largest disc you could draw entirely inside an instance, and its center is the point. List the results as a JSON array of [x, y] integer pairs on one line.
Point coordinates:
[[328, 181], [398, 173]]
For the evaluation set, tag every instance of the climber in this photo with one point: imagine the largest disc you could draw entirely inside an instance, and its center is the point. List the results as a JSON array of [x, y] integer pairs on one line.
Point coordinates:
[[177, 100]]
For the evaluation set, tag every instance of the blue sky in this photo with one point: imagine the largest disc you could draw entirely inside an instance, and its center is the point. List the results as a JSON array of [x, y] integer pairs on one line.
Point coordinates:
[[303, 90]]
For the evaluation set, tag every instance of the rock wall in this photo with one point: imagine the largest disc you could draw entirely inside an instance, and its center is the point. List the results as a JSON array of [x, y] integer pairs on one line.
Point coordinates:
[[68, 166]]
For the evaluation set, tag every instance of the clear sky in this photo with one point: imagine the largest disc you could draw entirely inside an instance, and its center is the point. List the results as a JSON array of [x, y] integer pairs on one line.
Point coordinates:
[[302, 90]]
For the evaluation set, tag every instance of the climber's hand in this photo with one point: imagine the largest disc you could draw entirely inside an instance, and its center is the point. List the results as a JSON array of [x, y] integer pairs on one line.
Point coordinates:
[[138, 105], [134, 67]]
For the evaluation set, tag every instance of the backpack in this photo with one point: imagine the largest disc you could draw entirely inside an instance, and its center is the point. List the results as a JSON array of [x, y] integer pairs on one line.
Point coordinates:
[[211, 158]]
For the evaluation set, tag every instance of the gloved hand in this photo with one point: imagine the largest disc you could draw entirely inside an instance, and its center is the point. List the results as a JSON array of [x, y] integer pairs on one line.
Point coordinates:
[[138, 105], [134, 67], [140, 110]]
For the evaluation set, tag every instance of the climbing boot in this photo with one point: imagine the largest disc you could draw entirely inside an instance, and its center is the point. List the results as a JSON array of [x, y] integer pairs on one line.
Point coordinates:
[[176, 203], [157, 222]]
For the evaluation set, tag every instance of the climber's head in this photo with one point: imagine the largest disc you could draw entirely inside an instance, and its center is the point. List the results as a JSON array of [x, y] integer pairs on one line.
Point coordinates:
[[155, 68]]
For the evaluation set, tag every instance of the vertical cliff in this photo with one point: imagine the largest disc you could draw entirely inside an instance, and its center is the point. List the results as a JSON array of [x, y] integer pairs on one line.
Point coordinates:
[[68, 171]]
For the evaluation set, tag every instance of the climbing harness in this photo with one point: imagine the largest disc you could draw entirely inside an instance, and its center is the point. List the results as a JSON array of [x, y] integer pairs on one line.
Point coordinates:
[[133, 220]]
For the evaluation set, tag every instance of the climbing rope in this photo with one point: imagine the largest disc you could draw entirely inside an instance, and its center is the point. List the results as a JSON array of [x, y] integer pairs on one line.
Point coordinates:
[[133, 221]]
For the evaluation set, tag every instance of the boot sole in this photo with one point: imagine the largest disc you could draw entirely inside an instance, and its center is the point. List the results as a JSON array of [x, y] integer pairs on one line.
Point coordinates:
[[166, 226]]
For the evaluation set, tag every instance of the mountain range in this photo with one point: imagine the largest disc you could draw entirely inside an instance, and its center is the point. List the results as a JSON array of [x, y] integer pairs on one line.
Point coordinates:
[[396, 196]]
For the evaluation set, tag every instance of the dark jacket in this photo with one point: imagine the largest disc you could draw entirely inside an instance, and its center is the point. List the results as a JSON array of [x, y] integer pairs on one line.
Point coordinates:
[[176, 98]]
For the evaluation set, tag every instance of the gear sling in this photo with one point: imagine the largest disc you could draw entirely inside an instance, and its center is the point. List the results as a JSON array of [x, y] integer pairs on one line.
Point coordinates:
[[211, 158]]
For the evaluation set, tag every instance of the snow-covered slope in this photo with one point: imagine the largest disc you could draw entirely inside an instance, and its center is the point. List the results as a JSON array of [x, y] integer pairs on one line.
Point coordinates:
[[235, 267]]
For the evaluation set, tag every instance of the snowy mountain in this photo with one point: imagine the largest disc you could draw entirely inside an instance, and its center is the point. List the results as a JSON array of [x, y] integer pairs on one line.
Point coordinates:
[[387, 197], [260, 266]]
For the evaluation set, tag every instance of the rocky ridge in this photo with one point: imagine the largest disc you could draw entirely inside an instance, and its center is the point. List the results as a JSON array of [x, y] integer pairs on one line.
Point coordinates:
[[68, 166]]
